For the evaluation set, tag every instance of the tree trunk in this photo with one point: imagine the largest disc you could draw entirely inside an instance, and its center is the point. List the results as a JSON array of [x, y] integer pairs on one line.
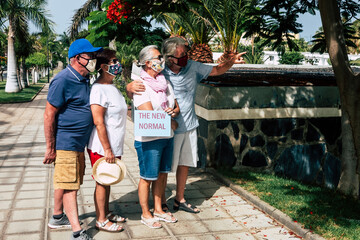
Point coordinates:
[[347, 82], [12, 83], [349, 179], [23, 79], [33, 75], [27, 77]]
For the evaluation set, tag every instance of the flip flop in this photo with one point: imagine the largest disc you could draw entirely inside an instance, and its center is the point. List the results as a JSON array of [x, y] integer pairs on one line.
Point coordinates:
[[187, 207], [149, 222], [115, 218], [101, 226], [165, 217]]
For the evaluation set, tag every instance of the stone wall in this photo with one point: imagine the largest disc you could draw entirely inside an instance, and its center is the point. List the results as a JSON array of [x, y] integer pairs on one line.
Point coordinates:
[[303, 149], [294, 131]]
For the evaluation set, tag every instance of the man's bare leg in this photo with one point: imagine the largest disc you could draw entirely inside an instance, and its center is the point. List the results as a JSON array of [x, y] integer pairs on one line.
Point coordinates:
[[71, 208]]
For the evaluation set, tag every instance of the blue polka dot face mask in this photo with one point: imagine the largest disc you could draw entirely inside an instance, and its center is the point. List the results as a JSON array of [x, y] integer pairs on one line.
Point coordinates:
[[114, 69]]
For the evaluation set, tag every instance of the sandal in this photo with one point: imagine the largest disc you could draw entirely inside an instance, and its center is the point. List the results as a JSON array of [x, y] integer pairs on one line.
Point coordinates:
[[149, 222], [164, 207], [115, 218], [166, 217], [187, 207], [101, 226]]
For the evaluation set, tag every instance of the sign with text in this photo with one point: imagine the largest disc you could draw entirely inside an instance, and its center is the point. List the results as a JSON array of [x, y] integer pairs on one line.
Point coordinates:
[[152, 123]]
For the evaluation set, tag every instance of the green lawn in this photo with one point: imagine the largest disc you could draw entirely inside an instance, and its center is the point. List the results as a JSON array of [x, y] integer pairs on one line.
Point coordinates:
[[325, 212], [25, 95]]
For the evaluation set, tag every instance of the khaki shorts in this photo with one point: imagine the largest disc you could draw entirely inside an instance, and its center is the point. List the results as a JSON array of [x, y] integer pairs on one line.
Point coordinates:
[[69, 170], [185, 150]]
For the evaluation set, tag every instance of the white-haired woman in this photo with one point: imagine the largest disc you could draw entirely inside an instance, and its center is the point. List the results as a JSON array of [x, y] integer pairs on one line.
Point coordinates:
[[154, 153]]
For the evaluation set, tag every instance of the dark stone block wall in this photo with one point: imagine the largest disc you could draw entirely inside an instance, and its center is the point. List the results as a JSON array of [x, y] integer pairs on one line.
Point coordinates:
[[303, 149]]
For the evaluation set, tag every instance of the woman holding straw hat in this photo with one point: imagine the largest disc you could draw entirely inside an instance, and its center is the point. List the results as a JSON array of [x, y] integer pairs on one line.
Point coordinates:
[[109, 112]]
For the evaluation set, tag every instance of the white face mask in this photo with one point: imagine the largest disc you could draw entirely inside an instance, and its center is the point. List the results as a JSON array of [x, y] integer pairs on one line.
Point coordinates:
[[157, 65], [90, 66]]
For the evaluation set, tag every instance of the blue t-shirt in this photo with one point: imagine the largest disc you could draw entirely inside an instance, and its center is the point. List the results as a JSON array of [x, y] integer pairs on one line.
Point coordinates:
[[184, 84], [69, 92]]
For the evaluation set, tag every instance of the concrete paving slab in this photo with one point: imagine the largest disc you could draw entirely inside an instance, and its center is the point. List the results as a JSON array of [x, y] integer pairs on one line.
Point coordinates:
[[242, 209], [276, 233], [256, 221], [30, 203], [3, 216], [23, 227], [235, 236], [27, 214], [31, 194], [212, 213], [33, 236], [7, 195], [186, 227], [10, 174], [4, 205], [198, 237], [226, 224], [39, 173], [29, 186], [37, 179], [143, 232], [228, 200]]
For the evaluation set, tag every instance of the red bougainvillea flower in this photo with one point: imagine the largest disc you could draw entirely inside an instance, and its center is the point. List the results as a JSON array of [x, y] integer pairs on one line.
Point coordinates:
[[118, 11]]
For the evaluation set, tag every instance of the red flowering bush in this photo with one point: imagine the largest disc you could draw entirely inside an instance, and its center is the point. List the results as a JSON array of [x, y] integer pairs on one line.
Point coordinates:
[[118, 11], [3, 61]]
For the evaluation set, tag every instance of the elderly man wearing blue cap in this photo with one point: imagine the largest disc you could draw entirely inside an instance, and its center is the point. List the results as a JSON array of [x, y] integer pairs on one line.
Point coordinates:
[[67, 124]]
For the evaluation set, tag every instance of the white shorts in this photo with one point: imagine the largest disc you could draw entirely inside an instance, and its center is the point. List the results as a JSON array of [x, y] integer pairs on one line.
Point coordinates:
[[185, 150]]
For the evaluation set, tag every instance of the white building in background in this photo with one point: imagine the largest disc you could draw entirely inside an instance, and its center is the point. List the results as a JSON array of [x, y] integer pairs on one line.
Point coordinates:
[[317, 59], [272, 58]]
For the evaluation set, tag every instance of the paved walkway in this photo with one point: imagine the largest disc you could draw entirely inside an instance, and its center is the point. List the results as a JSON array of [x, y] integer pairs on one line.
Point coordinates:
[[26, 192]]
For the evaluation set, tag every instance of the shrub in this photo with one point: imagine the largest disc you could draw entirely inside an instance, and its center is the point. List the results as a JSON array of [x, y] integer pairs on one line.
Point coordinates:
[[292, 58]]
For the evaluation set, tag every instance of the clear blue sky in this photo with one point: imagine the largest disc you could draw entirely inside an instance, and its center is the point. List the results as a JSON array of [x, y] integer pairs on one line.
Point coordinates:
[[61, 12]]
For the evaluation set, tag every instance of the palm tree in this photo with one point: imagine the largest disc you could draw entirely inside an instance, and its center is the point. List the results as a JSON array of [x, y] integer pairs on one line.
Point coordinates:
[[171, 24], [199, 32], [18, 14], [227, 18], [350, 36], [81, 14]]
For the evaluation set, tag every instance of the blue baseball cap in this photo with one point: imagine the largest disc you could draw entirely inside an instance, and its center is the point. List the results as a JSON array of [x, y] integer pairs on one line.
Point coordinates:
[[82, 45]]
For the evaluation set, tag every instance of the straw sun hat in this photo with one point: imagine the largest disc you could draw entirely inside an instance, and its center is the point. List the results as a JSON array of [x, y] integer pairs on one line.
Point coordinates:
[[109, 173]]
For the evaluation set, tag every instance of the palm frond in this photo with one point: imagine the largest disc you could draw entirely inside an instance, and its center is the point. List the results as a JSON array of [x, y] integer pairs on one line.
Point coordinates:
[[81, 14]]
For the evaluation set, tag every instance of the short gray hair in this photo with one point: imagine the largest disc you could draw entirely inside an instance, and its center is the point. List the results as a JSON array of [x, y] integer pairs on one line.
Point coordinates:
[[145, 55], [169, 46]]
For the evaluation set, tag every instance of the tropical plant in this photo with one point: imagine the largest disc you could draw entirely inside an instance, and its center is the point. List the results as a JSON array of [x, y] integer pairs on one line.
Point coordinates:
[[24, 46], [254, 54], [319, 42], [19, 13], [292, 58], [127, 54], [356, 25], [350, 36], [3, 61], [36, 61], [199, 32], [168, 20], [81, 14], [227, 18]]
